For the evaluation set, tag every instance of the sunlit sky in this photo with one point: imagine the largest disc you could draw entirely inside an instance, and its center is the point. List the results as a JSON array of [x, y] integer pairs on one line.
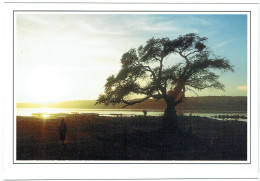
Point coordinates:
[[63, 57]]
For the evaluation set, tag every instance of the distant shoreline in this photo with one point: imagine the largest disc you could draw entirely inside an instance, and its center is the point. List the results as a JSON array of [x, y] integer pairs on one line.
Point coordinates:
[[151, 110], [199, 104]]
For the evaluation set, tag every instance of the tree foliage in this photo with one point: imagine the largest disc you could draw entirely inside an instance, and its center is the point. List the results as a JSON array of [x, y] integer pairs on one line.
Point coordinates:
[[144, 71]]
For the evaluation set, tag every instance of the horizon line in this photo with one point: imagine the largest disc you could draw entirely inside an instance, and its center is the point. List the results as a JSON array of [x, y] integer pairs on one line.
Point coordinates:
[[118, 103]]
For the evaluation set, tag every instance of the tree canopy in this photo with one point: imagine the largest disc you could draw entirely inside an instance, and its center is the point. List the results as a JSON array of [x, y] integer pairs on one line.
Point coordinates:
[[145, 74]]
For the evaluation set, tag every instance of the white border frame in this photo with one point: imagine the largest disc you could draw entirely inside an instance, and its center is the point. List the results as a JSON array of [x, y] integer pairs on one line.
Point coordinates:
[[117, 171]]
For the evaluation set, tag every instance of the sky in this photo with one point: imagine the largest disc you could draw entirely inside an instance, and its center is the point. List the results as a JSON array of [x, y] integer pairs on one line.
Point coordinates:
[[60, 57]]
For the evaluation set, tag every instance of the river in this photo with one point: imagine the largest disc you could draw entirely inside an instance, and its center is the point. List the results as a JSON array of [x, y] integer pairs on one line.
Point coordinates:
[[111, 112]]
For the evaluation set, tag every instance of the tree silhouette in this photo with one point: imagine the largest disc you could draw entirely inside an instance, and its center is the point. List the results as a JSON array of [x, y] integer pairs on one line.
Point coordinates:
[[144, 73]]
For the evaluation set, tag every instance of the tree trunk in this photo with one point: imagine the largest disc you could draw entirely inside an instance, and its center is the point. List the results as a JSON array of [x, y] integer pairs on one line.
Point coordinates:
[[170, 120]]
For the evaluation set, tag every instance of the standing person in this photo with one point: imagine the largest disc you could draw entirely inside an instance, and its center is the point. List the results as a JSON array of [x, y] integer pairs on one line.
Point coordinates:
[[62, 131], [145, 112]]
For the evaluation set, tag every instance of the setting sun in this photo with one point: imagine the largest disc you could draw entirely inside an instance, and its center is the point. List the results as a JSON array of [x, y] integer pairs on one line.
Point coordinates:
[[46, 87]]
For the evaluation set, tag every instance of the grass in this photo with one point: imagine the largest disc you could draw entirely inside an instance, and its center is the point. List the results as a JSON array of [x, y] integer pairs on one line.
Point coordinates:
[[130, 138]]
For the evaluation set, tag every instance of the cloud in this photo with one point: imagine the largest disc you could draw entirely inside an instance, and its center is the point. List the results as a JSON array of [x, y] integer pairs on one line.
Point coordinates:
[[196, 20], [146, 24], [221, 44], [242, 88]]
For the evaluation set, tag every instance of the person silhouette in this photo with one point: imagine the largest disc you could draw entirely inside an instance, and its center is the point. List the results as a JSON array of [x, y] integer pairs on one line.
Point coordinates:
[[62, 131], [145, 112]]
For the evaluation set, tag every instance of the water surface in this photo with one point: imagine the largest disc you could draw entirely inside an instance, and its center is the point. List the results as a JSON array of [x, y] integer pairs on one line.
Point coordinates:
[[113, 112]]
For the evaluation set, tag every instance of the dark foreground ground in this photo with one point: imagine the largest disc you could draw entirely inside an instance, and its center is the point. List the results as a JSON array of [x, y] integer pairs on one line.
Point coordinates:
[[133, 138]]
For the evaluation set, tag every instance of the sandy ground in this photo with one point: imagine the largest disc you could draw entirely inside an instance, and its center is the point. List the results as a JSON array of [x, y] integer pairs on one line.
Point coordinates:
[[133, 138]]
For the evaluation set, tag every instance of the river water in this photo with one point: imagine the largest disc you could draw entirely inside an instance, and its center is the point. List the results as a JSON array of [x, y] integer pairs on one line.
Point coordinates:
[[113, 112]]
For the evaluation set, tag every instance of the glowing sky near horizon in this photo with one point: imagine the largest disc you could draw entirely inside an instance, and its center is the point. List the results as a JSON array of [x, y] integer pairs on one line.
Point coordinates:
[[63, 57]]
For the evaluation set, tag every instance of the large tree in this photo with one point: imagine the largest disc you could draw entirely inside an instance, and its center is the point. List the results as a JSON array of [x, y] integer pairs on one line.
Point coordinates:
[[145, 73]]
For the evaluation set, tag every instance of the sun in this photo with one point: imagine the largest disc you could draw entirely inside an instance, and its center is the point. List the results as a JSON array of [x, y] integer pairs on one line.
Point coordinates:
[[47, 87]]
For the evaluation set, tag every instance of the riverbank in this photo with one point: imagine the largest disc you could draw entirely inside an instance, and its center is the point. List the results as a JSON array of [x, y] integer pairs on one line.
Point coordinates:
[[130, 138]]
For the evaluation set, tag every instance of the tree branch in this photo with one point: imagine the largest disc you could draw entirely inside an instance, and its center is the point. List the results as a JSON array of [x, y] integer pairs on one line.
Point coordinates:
[[191, 53], [128, 103], [202, 87], [148, 69], [185, 57], [162, 89], [134, 102], [157, 96], [192, 91]]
